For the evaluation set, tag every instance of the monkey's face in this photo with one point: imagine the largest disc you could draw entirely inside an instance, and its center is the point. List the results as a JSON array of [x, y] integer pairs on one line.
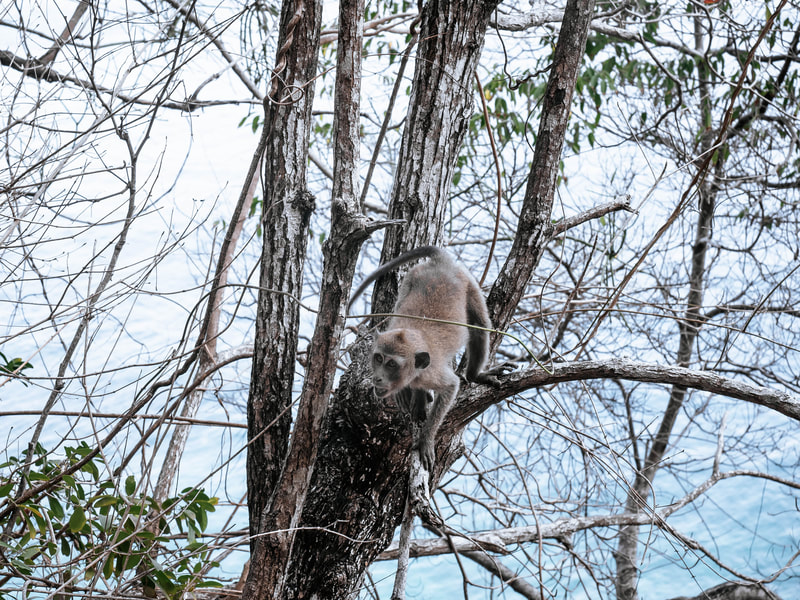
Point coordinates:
[[396, 362], [388, 373]]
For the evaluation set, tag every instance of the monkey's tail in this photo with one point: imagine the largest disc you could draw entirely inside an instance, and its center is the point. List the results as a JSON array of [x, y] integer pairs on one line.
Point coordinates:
[[431, 252]]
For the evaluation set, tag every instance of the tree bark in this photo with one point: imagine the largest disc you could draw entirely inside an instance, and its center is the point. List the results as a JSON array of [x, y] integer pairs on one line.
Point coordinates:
[[286, 212], [451, 39], [356, 451], [272, 560], [535, 225], [358, 487]]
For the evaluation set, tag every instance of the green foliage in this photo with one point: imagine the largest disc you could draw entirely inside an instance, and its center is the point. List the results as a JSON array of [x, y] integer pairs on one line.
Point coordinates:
[[14, 365], [504, 99], [256, 207], [106, 535]]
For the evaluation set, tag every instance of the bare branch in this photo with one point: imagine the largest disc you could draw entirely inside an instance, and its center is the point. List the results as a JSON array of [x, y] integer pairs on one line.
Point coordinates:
[[620, 368], [504, 540], [622, 203], [49, 56]]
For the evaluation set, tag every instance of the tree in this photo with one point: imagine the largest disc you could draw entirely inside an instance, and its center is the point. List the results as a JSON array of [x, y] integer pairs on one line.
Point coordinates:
[[554, 470]]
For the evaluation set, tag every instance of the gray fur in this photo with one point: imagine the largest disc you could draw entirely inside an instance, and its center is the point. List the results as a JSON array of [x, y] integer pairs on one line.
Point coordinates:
[[419, 354]]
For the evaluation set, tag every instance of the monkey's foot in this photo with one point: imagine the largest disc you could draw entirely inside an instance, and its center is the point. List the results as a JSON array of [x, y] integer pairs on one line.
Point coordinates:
[[489, 376], [501, 369]]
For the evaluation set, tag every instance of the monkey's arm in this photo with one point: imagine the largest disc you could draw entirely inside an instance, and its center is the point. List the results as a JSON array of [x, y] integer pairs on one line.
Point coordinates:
[[427, 437], [414, 403]]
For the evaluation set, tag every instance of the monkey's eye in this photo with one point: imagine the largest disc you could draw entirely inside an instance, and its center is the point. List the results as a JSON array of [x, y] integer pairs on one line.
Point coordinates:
[[377, 358], [391, 364]]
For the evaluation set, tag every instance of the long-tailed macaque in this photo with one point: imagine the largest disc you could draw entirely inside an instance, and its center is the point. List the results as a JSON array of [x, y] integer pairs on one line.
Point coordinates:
[[416, 354]]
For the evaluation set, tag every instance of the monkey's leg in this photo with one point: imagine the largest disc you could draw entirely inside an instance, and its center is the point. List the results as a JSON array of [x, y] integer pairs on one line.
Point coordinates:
[[427, 437]]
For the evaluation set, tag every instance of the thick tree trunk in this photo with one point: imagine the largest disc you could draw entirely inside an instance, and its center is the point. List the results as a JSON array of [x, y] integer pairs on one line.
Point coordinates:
[[358, 487], [354, 454], [451, 39], [286, 212], [359, 483]]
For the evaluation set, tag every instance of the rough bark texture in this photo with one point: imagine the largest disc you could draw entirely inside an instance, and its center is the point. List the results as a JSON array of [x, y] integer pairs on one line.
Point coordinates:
[[533, 231], [274, 572], [451, 39], [357, 494], [358, 487], [356, 450], [287, 209]]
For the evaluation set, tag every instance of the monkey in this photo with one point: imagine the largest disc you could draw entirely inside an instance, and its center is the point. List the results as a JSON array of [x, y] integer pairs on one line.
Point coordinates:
[[413, 356]]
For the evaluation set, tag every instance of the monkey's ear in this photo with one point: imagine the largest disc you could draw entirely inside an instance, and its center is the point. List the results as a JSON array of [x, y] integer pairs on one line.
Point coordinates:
[[422, 360]]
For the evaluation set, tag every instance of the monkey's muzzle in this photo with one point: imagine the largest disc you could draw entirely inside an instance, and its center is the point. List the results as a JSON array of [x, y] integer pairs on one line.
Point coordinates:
[[380, 392]]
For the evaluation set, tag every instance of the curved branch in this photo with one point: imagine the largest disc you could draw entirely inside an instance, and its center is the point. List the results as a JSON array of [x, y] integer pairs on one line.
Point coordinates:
[[479, 400]]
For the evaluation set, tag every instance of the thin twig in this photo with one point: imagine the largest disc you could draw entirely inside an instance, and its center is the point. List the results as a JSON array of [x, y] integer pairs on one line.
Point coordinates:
[[499, 179]]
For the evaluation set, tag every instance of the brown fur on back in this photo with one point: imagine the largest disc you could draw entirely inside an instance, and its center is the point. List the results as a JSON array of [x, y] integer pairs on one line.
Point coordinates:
[[417, 354]]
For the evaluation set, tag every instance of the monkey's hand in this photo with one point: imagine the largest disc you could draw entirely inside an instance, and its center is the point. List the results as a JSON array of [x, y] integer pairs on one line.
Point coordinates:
[[427, 453], [404, 399], [414, 403]]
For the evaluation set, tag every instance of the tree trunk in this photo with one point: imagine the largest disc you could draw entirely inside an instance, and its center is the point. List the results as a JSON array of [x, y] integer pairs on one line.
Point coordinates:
[[359, 484], [535, 225], [287, 209], [639, 492], [354, 453], [441, 104]]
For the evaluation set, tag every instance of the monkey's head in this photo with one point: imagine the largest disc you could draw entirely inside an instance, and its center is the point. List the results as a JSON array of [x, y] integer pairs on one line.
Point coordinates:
[[398, 357]]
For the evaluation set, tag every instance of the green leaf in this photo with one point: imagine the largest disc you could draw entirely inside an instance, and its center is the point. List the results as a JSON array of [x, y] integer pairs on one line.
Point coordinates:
[[56, 510], [108, 568], [106, 501], [130, 485], [20, 566], [77, 520], [91, 468], [209, 584], [165, 583], [14, 364], [29, 553]]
